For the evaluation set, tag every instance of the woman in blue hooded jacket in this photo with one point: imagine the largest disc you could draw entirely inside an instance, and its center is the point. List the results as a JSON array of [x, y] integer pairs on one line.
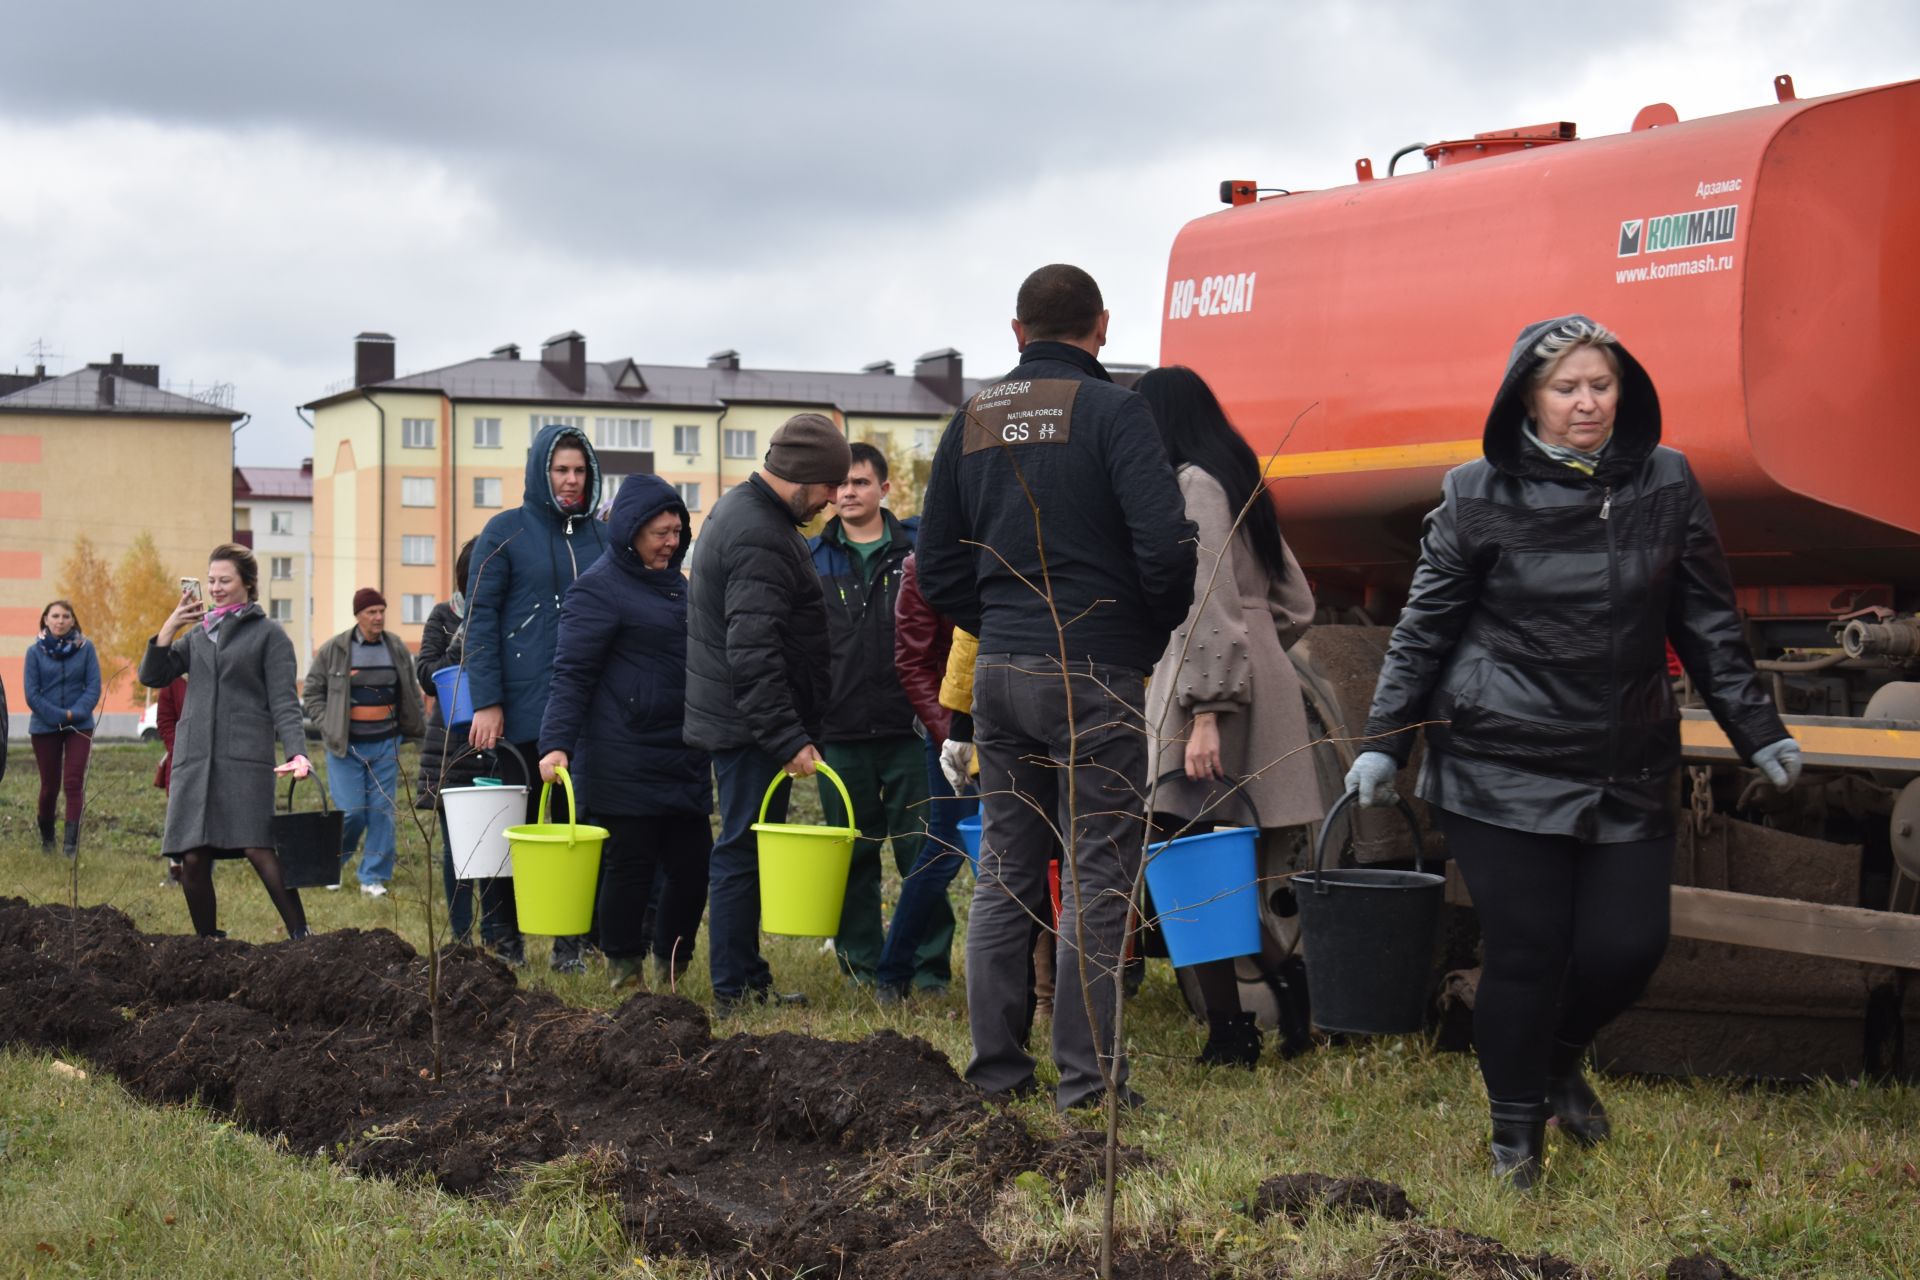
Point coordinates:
[[614, 719], [62, 678]]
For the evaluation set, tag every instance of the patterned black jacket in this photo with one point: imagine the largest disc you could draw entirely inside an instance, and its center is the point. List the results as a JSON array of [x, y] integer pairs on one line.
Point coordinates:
[[1537, 625]]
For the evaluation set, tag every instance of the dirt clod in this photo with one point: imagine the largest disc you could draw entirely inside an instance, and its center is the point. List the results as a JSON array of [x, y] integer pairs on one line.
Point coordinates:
[[1301, 1195], [1421, 1253]]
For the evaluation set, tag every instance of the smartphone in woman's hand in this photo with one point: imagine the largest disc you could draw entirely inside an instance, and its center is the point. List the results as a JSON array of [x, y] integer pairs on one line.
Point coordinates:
[[192, 587]]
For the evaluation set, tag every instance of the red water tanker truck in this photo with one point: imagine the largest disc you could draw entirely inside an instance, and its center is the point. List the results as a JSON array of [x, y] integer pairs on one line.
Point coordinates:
[[1765, 266]]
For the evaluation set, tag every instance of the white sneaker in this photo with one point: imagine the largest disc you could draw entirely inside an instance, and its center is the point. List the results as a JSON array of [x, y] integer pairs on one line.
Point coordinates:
[[334, 887], [374, 890]]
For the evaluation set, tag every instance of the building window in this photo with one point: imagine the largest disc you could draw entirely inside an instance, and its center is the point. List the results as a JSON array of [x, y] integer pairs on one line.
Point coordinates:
[[282, 524], [282, 568], [926, 439], [486, 491], [280, 610], [689, 493], [416, 491], [686, 441], [578, 421], [416, 433], [486, 433], [415, 608], [243, 519], [623, 433], [739, 444], [416, 548]]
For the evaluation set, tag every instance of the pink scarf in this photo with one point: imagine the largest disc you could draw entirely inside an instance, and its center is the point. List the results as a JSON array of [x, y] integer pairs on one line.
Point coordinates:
[[213, 617]]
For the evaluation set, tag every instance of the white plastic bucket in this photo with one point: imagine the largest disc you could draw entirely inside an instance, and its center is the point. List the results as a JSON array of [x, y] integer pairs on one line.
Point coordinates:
[[477, 822]]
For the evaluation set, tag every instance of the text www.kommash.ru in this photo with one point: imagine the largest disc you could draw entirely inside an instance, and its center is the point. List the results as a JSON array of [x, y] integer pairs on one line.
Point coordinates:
[[1674, 270]]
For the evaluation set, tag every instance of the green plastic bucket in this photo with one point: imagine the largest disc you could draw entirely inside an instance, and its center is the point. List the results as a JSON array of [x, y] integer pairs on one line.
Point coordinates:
[[556, 869], [803, 870]]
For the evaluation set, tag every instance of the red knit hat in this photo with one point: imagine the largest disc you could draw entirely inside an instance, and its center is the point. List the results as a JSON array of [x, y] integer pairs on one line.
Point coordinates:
[[368, 598]]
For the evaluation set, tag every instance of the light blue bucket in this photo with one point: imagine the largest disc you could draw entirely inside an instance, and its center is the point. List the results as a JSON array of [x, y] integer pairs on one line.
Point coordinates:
[[451, 686], [969, 828], [1206, 893]]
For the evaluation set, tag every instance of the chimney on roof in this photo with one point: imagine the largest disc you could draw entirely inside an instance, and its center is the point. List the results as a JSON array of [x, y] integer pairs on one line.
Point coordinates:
[[306, 467], [728, 359], [372, 359], [505, 351], [106, 389], [878, 366], [939, 372], [564, 355]]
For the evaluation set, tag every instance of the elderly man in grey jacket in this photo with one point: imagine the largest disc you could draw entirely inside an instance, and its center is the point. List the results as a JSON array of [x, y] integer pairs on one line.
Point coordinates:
[[360, 700], [759, 673]]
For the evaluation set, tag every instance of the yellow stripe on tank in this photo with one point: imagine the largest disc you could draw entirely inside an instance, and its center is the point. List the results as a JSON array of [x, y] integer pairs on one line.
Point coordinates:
[[1398, 457]]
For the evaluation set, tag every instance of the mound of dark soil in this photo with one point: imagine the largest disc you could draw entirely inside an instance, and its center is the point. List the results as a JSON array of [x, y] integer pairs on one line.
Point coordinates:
[[1422, 1253], [1300, 1195], [1701, 1266], [775, 1154]]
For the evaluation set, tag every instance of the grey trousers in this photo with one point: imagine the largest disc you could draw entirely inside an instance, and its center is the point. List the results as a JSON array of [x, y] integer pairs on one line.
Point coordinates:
[[1033, 736]]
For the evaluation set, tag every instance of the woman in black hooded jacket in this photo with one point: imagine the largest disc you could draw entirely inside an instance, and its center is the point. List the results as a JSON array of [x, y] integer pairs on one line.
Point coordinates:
[[1552, 577], [616, 717]]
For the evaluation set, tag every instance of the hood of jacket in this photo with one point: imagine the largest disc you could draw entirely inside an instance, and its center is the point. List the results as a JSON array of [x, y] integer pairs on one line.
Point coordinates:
[[1636, 423], [639, 500], [538, 495]]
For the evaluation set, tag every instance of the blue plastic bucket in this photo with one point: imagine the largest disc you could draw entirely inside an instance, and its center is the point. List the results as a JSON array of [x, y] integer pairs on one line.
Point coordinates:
[[970, 840], [1206, 894], [456, 696]]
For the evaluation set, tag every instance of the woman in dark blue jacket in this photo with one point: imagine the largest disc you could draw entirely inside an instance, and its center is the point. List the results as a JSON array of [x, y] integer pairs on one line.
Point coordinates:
[[614, 719], [62, 678]]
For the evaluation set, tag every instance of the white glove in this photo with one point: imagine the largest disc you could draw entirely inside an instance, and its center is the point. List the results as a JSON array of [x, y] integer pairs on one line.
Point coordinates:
[[956, 758], [1372, 776], [1780, 762]]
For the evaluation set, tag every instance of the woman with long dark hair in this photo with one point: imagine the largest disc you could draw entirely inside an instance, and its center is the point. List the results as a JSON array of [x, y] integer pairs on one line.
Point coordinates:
[[1224, 703], [62, 678], [243, 673]]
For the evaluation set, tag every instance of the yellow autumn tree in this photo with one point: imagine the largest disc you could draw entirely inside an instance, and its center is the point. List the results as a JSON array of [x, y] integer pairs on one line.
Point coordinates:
[[144, 593], [86, 580]]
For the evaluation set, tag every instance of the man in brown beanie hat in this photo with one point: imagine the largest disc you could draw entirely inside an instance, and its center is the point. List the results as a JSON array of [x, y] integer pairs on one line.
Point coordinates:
[[759, 673]]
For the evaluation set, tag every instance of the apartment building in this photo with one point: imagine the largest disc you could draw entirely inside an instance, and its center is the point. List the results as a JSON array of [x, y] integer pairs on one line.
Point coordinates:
[[407, 468], [273, 515]]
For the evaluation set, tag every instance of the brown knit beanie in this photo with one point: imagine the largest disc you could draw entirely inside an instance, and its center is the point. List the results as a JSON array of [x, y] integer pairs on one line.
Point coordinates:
[[809, 449], [367, 598]]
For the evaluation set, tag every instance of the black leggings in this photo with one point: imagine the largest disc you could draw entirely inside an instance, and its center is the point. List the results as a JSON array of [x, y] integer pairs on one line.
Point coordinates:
[[196, 877], [638, 850], [1572, 932]]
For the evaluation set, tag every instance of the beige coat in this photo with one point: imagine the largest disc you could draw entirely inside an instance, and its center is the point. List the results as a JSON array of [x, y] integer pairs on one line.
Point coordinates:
[[1236, 665]]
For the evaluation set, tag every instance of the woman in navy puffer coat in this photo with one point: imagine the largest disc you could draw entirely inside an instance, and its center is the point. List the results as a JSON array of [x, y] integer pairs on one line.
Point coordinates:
[[614, 720]]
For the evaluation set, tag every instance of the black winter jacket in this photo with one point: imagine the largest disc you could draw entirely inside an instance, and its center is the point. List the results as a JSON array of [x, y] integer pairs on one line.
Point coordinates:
[[618, 701], [759, 665], [441, 641], [1119, 548], [1537, 625], [867, 700]]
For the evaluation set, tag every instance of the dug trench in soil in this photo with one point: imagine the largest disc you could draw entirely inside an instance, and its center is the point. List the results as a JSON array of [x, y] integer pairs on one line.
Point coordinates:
[[763, 1154]]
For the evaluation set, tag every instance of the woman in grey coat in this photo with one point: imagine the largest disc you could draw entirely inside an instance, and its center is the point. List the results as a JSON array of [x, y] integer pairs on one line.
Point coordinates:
[[1224, 702], [243, 672]]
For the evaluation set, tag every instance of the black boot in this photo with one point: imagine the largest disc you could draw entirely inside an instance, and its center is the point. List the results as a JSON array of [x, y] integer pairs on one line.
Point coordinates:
[[46, 835], [1581, 1114], [72, 847], [1519, 1138], [1233, 1040]]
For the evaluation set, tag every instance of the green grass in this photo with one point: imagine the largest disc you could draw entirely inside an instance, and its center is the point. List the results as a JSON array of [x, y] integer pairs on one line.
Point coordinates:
[[1821, 1181]]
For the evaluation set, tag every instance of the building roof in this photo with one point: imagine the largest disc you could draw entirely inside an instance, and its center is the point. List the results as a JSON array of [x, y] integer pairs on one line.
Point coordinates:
[[96, 390], [625, 384], [273, 482]]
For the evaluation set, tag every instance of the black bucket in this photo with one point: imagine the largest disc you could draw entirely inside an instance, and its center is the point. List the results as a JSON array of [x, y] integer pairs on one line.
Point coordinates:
[[308, 843], [1368, 934]]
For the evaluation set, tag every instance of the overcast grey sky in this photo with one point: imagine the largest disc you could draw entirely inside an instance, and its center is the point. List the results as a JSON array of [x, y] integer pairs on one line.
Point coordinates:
[[234, 190]]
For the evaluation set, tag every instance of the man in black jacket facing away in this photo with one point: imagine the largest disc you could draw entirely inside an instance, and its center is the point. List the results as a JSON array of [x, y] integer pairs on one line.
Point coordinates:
[[759, 672], [1053, 483]]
